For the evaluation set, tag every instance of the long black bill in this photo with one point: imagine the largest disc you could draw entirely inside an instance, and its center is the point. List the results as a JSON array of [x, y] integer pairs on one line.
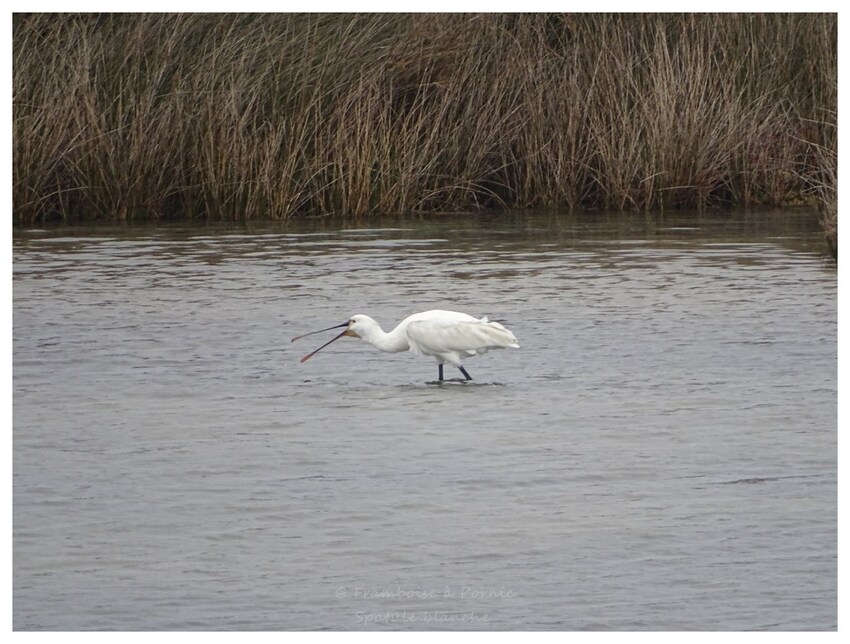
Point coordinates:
[[335, 326], [312, 353]]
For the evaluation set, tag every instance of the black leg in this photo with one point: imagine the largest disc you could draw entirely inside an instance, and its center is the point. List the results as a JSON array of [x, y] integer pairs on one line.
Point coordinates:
[[440, 367], [465, 374]]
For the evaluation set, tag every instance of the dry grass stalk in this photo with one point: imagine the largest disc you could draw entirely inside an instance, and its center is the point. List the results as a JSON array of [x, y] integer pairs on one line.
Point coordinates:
[[254, 116]]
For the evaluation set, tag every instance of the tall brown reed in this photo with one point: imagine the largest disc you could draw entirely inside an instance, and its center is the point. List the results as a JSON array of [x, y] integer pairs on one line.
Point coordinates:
[[253, 116]]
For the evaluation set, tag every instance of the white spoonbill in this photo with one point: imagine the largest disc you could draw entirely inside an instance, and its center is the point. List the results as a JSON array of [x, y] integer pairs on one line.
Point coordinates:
[[447, 336]]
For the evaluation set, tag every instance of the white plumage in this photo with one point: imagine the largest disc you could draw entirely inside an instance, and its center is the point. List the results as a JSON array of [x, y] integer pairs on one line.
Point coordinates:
[[446, 336]]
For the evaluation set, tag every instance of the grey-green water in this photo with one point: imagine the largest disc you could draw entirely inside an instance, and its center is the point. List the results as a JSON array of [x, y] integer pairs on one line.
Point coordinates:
[[659, 454]]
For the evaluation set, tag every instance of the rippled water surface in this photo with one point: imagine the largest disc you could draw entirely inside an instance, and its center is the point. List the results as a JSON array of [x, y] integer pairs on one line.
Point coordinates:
[[660, 453]]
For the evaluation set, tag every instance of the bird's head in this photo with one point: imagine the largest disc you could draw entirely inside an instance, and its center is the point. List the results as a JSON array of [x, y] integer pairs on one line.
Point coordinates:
[[360, 326]]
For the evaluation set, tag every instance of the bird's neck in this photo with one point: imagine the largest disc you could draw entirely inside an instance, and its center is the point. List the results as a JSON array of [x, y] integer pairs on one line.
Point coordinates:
[[392, 342]]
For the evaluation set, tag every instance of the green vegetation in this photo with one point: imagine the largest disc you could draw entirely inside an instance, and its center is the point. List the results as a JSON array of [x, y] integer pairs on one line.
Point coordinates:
[[234, 117]]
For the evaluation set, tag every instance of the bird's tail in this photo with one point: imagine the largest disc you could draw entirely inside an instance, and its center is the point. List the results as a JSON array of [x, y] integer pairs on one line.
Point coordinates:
[[506, 337]]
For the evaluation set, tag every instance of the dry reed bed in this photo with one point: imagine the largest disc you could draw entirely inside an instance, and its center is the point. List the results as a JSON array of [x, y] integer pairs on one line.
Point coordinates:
[[256, 116]]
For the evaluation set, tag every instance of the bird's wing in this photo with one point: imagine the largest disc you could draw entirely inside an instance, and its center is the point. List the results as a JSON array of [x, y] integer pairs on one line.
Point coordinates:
[[436, 337]]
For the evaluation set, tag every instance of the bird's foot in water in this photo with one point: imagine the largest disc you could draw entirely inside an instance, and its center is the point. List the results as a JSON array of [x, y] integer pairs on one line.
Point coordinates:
[[462, 370]]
